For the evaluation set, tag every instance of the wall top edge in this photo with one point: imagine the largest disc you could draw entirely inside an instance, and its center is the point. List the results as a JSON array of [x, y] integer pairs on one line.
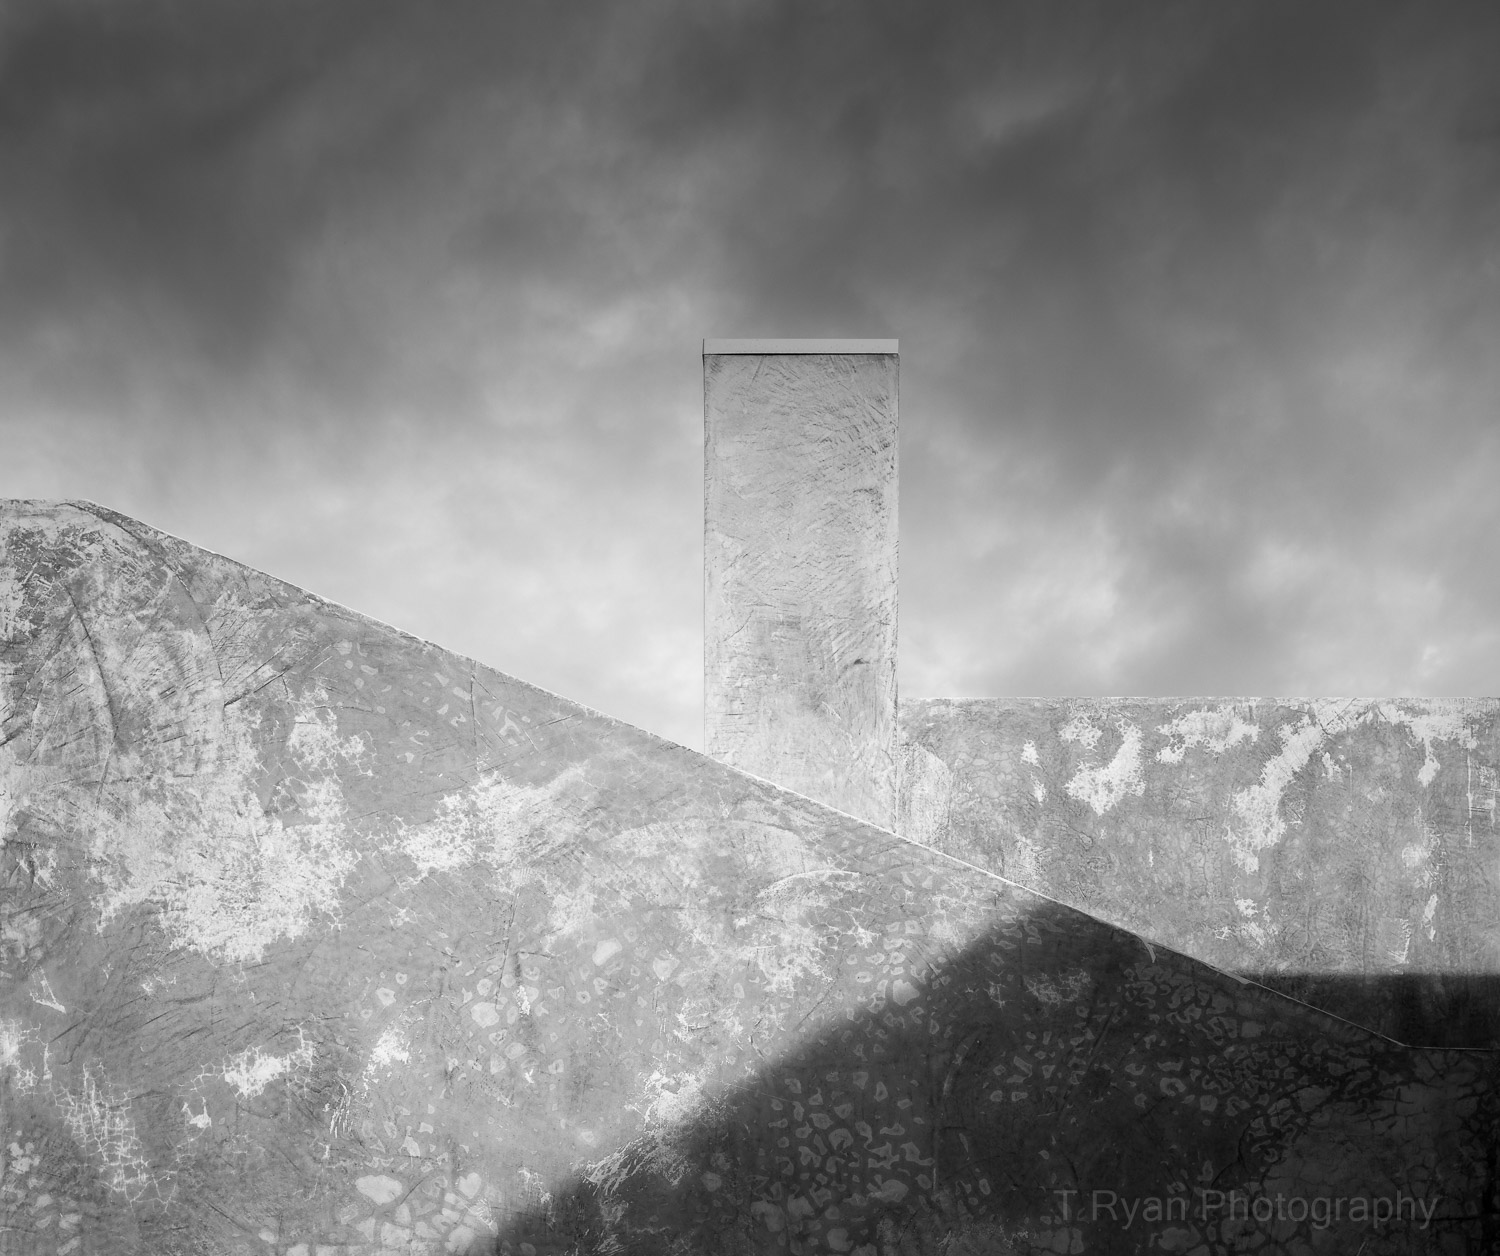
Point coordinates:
[[800, 346], [1439, 701]]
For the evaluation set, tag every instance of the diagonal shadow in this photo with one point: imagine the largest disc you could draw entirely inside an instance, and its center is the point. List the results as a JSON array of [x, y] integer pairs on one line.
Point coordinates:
[[1435, 1009], [1065, 1092], [951, 1064]]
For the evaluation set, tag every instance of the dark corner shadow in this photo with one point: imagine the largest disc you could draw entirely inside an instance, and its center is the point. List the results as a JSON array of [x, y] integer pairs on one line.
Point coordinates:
[[1059, 1087], [1430, 1009]]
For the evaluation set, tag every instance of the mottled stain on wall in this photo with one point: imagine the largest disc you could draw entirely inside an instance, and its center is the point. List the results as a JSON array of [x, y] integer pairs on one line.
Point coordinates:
[[566, 987], [1316, 843], [174, 820], [800, 572]]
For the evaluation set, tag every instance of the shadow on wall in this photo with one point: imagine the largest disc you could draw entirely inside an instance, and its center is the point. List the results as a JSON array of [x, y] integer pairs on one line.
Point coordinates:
[[466, 967], [1058, 1088], [1339, 849], [1432, 1009]]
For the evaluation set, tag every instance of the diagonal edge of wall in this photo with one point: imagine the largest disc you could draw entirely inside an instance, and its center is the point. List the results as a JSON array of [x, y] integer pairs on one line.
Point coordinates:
[[318, 935]]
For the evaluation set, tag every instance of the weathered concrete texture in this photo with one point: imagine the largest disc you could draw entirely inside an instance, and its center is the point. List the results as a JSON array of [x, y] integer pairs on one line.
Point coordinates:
[[800, 573], [1344, 850], [321, 941]]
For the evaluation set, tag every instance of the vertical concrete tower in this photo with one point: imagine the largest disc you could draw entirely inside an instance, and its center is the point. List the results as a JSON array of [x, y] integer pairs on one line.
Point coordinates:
[[800, 566]]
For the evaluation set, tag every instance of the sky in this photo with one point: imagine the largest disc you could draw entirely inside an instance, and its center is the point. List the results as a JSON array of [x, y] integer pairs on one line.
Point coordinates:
[[1199, 311]]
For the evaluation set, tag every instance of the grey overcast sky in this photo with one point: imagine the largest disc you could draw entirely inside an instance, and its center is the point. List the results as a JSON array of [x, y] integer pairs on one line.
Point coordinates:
[[1199, 309]]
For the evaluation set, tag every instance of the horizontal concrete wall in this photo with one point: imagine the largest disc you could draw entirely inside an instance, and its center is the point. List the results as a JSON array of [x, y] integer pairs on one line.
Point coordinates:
[[1345, 850], [319, 940]]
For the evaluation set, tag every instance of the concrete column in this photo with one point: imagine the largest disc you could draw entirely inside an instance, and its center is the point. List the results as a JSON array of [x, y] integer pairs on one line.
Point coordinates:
[[800, 566]]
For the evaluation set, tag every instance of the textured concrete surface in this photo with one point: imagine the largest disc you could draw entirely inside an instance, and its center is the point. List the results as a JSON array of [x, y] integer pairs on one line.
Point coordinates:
[[1345, 850], [800, 573], [321, 941]]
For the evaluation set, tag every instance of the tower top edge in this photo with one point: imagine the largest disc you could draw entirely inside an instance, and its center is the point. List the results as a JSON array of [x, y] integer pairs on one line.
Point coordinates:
[[712, 347]]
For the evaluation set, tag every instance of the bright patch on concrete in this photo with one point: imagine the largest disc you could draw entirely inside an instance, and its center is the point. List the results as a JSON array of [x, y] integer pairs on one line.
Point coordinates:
[[226, 878], [1216, 731], [379, 1188], [253, 1070], [99, 1119], [1259, 807], [10, 1044], [1432, 720], [509, 827], [1104, 787], [671, 1099], [42, 993], [1082, 730], [903, 992], [390, 1048]]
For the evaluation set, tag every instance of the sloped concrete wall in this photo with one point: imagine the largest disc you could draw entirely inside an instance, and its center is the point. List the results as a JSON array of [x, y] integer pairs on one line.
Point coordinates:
[[319, 940], [800, 572], [1345, 850]]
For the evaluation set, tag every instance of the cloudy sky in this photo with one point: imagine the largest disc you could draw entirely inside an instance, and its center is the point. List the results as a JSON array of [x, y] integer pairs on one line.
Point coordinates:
[[1199, 309]]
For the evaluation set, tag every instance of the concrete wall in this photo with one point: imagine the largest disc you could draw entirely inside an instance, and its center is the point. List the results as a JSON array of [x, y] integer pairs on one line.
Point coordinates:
[[1345, 850], [319, 940], [800, 567]]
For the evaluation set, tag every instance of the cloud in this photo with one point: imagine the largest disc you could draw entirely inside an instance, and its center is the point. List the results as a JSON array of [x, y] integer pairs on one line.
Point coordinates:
[[403, 304]]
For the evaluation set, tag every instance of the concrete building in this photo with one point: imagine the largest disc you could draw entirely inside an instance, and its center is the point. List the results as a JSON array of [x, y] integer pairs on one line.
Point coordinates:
[[319, 940], [1340, 849], [799, 566]]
